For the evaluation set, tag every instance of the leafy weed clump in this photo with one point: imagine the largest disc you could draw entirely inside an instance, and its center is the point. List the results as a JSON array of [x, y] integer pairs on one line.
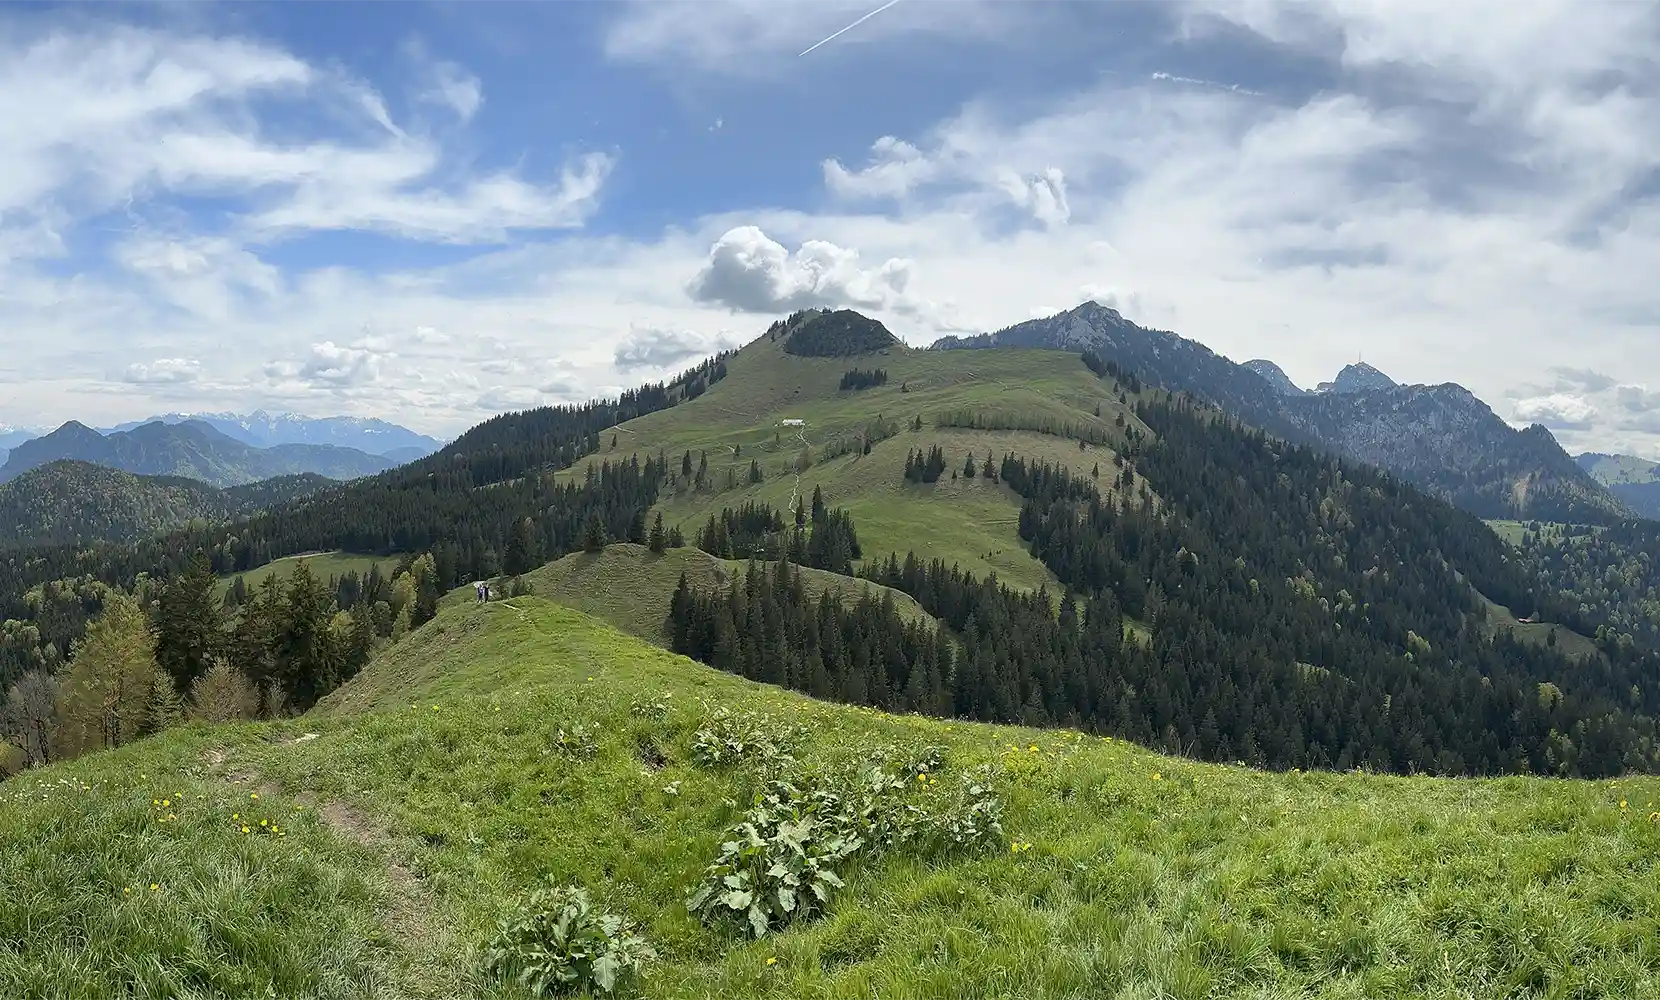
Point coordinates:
[[556, 943], [786, 859], [576, 741], [751, 738]]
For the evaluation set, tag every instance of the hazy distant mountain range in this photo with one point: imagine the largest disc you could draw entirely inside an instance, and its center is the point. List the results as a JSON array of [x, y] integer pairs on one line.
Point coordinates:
[[1439, 437], [264, 430], [193, 450]]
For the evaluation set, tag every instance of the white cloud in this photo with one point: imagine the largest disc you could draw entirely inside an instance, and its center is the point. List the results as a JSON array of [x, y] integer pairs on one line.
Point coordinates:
[[896, 167], [1558, 411], [94, 117], [331, 365], [747, 271], [164, 371], [1044, 195], [657, 349], [456, 89]]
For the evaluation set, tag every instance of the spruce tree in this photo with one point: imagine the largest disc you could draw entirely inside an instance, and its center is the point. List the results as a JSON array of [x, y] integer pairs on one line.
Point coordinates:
[[189, 624], [658, 539], [594, 535]]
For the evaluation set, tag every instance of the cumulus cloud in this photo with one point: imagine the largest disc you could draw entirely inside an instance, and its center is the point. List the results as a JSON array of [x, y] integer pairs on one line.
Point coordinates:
[[331, 365], [164, 371], [1558, 411], [896, 167], [747, 271], [654, 348]]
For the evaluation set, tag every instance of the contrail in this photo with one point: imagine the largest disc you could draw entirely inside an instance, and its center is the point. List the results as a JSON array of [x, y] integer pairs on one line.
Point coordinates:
[[850, 27]]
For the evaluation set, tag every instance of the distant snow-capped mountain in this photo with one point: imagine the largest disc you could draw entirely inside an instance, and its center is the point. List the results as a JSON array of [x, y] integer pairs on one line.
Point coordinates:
[[264, 430]]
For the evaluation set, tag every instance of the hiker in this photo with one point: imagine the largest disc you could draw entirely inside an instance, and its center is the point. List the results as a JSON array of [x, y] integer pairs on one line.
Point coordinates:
[[480, 590]]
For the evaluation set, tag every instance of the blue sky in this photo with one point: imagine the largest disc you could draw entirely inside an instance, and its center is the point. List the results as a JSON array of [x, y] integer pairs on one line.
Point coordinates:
[[434, 212]]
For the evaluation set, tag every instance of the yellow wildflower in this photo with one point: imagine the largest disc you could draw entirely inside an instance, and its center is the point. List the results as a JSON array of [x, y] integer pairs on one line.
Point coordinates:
[[264, 822], [244, 829], [1157, 776], [155, 886], [772, 960]]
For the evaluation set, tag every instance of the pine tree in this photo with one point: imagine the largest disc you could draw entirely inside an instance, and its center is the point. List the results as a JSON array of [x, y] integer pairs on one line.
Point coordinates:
[[686, 464], [166, 708], [189, 624], [593, 533], [754, 471], [968, 467], [523, 548], [676, 539], [309, 660], [658, 539]]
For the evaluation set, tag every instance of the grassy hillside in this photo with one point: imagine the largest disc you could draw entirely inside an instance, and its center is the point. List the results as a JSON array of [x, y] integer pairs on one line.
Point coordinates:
[[419, 803], [322, 564], [629, 586], [972, 523]]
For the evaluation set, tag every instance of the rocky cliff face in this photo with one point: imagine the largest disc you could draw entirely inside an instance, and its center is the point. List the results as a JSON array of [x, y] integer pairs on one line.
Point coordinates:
[[1441, 438]]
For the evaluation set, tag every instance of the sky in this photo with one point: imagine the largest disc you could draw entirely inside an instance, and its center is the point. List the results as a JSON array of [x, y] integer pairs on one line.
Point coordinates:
[[436, 212]]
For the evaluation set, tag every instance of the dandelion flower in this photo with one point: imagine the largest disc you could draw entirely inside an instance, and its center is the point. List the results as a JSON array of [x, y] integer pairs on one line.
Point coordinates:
[[244, 829], [1622, 803], [171, 818], [772, 960], [128, 890], [155, 886], [236, 815], [155, 802], [253, 795], [1157, 776], [264, 822]]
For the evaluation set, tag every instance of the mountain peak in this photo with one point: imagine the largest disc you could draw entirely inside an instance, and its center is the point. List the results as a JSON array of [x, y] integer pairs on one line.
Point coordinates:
[[1358, 377], [1275, 376]]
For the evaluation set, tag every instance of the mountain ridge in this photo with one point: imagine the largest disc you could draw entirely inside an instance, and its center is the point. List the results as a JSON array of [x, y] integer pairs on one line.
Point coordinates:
[[1441, 437], [264, 429], [74, 503], [190, 449]]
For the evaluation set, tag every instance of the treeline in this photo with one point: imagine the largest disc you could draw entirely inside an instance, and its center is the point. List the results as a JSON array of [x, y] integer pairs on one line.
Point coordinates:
[[820, 537], [766, 628], [858, 378], [149, 660], [1040, 423], [1105, 368]]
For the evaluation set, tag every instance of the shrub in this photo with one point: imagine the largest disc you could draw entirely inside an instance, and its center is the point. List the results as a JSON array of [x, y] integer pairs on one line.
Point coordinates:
[[557, 943]]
